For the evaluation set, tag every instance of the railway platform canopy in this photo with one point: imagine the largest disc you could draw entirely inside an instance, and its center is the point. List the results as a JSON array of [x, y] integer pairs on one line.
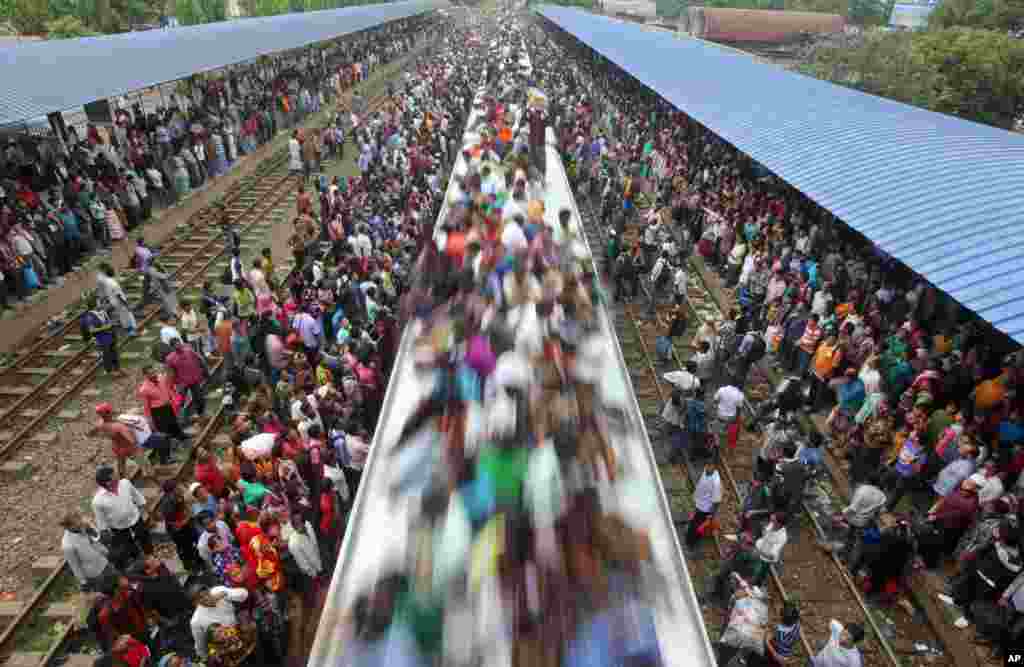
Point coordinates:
[[938, 193], [46, 77]]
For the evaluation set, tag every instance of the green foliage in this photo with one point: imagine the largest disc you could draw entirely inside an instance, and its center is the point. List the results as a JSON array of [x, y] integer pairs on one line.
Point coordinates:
[[870, 12], [974, 74], [841, 7], [671, 9], [992, 14], [30, 16], [67, 27]]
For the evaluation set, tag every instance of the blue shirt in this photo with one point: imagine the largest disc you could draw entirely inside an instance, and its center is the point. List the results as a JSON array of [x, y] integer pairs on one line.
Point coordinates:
[[811, 456]]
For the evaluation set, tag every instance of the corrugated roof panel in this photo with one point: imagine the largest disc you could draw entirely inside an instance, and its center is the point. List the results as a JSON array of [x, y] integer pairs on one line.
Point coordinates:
[[939, 193], [44, 77]]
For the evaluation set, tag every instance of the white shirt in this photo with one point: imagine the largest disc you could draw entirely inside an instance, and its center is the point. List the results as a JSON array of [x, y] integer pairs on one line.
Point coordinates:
[[683, 380], [117, 511], [834, 654], [872, 380], [513, 238], [303, 547], [679, 281], [866, 502], [729, 400], [708, 492], [223, 613], [86, 557], [769, 547], [169, 333], [989, 488], [361, 245]]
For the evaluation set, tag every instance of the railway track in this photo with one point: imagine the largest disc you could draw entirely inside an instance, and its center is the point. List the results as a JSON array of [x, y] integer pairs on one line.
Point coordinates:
[[193, 258], [830, 593], [42, 379]]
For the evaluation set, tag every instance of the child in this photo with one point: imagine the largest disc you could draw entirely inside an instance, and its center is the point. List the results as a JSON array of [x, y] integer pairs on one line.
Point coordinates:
[[779, 646]]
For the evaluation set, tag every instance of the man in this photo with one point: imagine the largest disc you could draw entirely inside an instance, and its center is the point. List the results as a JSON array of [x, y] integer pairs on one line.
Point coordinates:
[[841, 649], [189, 377], [123, 439], [141, 260], [707, 496], [96, 324], [117, 509], [85, 555], [728, 400], [659, 277], [752, 349]]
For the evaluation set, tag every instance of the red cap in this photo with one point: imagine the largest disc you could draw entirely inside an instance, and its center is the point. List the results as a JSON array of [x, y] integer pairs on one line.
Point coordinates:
[[104, 409]]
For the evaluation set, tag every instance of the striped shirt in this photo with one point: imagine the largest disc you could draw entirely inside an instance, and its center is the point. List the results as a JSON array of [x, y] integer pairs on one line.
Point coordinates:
[[784, 639]]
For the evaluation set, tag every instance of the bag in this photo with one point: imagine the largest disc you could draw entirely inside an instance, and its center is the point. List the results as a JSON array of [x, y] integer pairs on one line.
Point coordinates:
[[29, 274], [225, 277]]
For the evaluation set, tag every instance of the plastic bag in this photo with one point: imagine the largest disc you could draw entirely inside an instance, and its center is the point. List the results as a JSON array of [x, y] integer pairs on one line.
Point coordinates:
[[748, 623]]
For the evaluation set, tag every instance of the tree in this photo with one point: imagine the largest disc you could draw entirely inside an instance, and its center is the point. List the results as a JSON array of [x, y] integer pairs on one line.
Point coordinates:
[[974, 74], [67, 27], [30, 16], [671, 9], [870, 12], [992, 14]]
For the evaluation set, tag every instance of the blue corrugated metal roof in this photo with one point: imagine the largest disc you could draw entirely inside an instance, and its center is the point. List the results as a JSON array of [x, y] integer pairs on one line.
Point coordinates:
[[939, 193], [44, 77]]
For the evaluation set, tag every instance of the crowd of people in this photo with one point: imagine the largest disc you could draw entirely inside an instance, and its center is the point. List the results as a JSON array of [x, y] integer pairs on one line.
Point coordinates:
[[921, 398], [302, 360], [512, 450], [63, 200]]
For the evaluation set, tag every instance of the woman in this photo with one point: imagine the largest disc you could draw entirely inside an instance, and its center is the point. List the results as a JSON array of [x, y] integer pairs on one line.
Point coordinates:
[[157, 395], [851, 394], [178, 519], [109, 290], [191, 326]]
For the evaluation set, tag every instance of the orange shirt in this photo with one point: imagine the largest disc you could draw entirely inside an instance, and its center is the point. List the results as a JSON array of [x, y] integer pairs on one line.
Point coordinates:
[[826, 358], [989, 393], [223, 334]]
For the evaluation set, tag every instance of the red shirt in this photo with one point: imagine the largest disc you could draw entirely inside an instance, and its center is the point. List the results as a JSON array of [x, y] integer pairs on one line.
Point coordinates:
[[327, 513], [210, 476], [133, 654], [188, 369]]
